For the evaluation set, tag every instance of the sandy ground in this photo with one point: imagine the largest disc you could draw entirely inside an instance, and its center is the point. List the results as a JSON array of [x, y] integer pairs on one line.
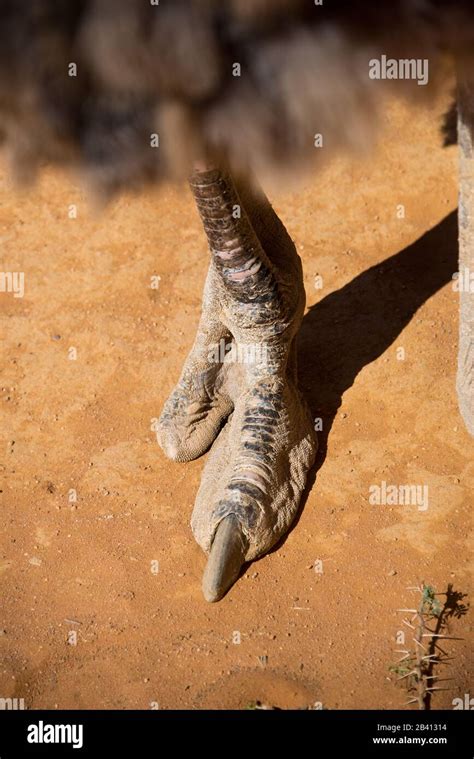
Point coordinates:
[[86, 621]]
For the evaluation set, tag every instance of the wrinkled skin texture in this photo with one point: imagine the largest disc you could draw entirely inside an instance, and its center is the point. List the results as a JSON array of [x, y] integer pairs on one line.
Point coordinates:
[[253, 303]]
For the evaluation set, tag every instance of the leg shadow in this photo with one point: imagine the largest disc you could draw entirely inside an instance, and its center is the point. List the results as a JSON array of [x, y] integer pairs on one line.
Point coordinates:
[[353, 326]]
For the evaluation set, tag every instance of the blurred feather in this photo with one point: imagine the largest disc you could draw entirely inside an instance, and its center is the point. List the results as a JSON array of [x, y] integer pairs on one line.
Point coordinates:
[[91, 83]]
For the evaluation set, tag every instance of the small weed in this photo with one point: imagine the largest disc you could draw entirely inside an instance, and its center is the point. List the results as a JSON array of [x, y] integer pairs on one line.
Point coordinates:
[[427, 623]]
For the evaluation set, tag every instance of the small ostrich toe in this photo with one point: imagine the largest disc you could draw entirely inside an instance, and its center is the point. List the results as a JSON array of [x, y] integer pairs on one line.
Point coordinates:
[[199, 404], [193, 414]]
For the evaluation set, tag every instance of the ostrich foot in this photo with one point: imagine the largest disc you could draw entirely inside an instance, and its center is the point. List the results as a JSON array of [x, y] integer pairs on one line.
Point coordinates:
[[254, 302]]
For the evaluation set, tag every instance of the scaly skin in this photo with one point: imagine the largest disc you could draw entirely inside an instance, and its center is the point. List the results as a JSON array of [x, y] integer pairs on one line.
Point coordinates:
[[254, 297]]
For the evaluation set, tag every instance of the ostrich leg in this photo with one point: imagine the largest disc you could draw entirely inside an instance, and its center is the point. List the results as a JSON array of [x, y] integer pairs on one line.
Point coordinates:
[[465, 377], [254, 297]]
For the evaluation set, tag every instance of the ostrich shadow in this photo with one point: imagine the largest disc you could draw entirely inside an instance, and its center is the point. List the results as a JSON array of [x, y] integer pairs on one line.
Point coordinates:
[[353, 326]]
